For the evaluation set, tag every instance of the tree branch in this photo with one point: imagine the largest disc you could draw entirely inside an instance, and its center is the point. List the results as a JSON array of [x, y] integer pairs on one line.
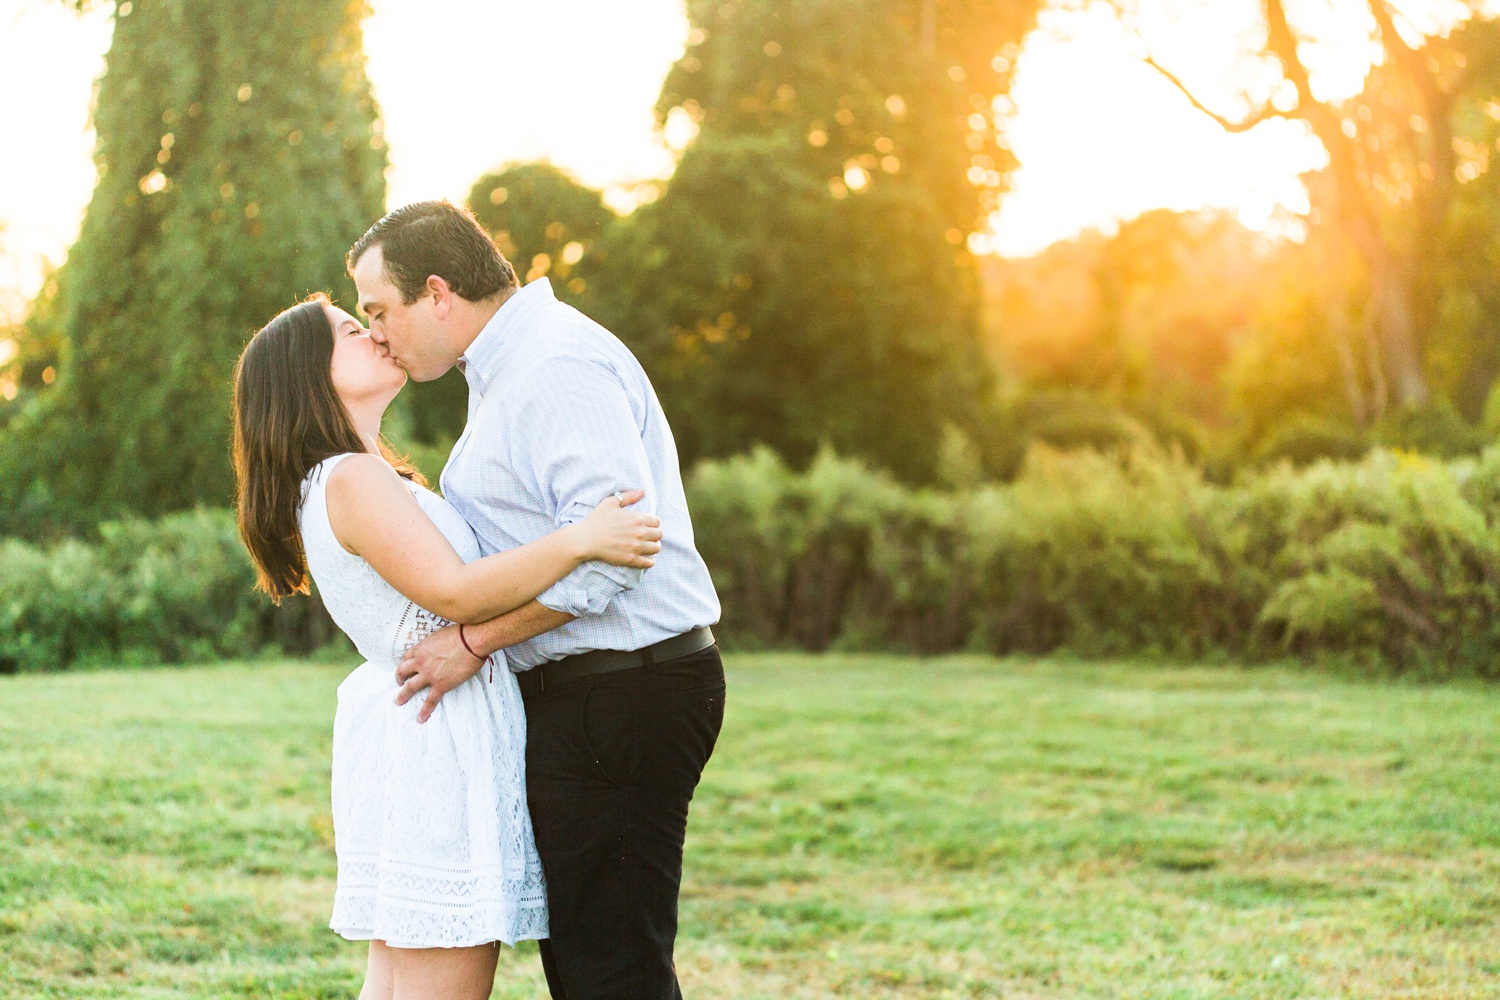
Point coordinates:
[[1282, 42], [1402, 54], [1262, 114]]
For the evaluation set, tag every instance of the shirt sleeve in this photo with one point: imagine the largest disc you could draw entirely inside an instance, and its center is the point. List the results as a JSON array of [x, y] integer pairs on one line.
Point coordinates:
[[577, 441]]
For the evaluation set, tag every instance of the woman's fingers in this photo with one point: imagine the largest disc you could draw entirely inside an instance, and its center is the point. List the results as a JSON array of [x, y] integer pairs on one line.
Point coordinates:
[[628, 497]]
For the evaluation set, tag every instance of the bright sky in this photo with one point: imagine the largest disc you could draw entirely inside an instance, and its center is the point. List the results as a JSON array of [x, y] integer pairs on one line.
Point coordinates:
[[466, 85]]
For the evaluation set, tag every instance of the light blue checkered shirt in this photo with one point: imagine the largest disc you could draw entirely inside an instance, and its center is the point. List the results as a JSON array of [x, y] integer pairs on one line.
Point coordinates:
[[561, 416]]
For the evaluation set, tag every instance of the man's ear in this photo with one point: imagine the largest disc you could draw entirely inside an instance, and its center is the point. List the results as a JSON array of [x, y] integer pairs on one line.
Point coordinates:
[[442, 296]]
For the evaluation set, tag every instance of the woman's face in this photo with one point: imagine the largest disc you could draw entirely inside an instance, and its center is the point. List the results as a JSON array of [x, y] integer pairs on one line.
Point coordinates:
[[362, 370]]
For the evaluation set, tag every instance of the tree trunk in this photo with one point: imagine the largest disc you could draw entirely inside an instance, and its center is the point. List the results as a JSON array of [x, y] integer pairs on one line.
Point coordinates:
[[1391, 287]]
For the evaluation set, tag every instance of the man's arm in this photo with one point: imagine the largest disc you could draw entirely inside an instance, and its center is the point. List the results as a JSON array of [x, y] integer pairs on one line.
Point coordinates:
[[440, 663], [576, 442]]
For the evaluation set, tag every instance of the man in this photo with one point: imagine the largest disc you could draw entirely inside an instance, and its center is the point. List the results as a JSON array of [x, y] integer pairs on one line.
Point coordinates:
[[622, 681]]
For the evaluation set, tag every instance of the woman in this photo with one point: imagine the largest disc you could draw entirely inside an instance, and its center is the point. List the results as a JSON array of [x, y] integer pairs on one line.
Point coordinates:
[[436, 861]]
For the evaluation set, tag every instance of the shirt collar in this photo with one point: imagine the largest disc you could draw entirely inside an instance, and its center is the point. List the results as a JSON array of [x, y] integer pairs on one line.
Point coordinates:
[[480, 361]]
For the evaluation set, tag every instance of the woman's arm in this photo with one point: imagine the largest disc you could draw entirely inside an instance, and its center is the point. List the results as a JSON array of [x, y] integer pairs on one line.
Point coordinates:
[[375, 516]]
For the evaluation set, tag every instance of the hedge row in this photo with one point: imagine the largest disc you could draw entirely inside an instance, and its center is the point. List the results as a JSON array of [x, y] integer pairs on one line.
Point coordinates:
[[1391, 563], [174, 590]]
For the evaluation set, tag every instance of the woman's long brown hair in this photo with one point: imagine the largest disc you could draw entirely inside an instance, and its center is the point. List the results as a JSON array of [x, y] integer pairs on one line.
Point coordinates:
[[287, 419]]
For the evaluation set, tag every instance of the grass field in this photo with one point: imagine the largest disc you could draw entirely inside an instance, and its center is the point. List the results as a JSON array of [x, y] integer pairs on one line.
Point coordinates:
[[869, 827]]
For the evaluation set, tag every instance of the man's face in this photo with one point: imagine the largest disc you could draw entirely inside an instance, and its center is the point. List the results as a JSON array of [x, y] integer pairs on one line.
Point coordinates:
[[411, 334]]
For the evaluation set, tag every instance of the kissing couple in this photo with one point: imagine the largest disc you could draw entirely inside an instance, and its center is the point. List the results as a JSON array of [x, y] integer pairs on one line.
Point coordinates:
[[550, 604]]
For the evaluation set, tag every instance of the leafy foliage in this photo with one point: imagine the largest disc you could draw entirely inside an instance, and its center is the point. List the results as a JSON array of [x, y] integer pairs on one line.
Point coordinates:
[[768, 311], [1389, 563], [897, 89], [546, 223], [802, 280], [1154, 311], [176, 589], [543, 220], [234, 163]]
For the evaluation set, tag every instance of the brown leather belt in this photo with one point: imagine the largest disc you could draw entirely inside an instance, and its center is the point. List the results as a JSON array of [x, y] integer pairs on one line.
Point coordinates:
[[607, 661]]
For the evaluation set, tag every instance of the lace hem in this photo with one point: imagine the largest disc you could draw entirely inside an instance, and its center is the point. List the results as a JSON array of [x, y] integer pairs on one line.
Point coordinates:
[[414, 905]]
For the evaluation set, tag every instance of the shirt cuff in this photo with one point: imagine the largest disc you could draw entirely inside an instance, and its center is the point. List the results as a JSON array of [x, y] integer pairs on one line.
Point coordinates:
[[589, 589], [569, 600]]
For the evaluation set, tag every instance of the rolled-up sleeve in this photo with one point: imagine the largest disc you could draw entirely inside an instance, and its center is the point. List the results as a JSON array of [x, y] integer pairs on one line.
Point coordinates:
[[578, 443]]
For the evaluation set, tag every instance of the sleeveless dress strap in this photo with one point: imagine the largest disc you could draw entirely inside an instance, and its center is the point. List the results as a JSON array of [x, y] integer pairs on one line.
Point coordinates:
[[317, 476], [326, 466]]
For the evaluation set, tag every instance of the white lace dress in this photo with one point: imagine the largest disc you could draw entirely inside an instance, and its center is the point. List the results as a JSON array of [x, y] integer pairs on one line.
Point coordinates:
[[431, 829]]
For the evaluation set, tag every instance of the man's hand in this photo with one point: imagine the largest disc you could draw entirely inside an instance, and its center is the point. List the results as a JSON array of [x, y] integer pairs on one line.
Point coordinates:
[[438, 663]]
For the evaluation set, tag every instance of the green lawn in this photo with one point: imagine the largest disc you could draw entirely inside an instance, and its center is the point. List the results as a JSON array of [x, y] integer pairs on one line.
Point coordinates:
[[869, 827]]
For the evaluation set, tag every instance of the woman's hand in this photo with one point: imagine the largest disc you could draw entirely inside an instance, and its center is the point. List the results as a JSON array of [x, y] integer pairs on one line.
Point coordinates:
[[615, 534]]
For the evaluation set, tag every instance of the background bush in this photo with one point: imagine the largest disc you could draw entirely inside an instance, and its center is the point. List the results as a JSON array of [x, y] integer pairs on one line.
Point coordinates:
[[1389, 564], [172, 590]]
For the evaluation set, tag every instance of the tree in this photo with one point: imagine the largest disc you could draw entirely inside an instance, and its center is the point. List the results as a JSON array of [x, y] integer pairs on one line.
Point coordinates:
[[1150, 314], [546, 223], [803, 277], [29, 352], [543, 220], [769, 312], [1464, 277], [908, 89], [235, 164], [1392, 175]]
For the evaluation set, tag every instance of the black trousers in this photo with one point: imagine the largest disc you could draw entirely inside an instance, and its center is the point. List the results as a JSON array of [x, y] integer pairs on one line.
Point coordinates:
[[611, 765]]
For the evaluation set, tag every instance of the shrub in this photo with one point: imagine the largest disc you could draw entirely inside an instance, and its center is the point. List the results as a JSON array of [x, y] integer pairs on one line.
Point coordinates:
[[1391, 563], [1438, 429], [167, 591], [1107, 555], [1304, 438], [1388, 562], [1395, 561]]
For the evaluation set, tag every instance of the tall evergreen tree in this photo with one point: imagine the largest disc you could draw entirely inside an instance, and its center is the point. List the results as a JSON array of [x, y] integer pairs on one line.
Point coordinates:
[[239, 153]]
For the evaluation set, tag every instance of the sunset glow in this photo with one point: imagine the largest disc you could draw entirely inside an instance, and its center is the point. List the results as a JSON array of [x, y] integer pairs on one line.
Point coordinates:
[[1100, 136]]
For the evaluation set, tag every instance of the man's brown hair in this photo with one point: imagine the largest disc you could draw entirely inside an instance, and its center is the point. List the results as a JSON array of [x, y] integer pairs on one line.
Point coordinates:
[[436, 237]]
